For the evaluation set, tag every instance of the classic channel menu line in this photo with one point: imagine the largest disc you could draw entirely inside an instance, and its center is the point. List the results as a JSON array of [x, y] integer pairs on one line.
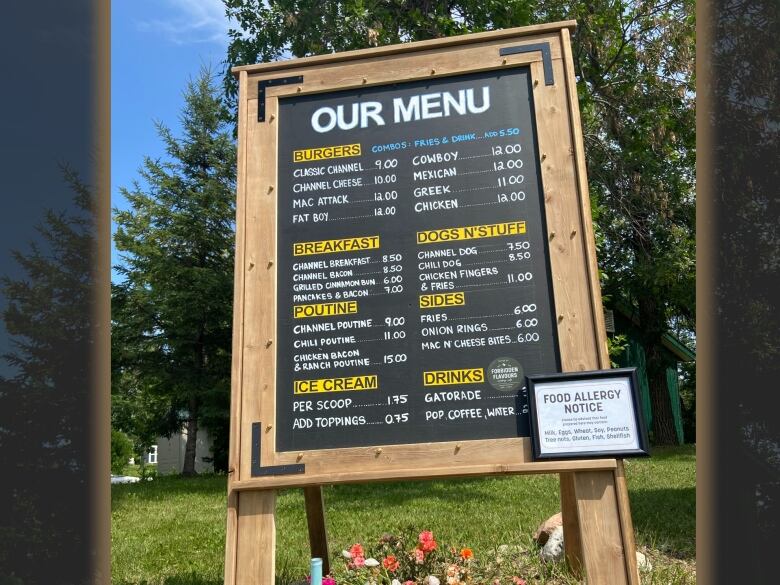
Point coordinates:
[[414, 290]]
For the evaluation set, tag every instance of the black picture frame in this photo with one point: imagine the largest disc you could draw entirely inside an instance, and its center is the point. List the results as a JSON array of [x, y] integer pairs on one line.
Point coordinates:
[[630, 373]]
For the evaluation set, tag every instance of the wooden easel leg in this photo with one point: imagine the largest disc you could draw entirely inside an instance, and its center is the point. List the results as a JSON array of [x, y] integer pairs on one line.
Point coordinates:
[[231, 535], [626, 523], [315, 517], [604, 559], [598, 533], [250, 544], [571, 525]]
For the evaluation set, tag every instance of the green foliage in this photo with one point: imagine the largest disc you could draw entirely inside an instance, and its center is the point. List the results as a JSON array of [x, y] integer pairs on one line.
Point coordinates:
[[636, 85], [636, 89], [266, 31], [147, 471], [616, 345], [121, 451], [171, 320], [142, 414]]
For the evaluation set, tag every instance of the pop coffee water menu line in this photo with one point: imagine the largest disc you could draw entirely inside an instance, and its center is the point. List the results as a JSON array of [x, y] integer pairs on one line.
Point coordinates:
[[414, 289]]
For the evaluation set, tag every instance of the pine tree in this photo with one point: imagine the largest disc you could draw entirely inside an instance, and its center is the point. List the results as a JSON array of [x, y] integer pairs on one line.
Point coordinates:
[[172, 309]]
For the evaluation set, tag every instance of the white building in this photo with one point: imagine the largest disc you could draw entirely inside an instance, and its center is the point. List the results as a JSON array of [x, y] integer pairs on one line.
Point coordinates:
[[170, 453]]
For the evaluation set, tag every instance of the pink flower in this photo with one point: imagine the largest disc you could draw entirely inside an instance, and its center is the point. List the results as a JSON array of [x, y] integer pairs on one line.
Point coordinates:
[[518, 581], [408, 582], [359, 561], [328, 581], [427, 543], [419, 556]]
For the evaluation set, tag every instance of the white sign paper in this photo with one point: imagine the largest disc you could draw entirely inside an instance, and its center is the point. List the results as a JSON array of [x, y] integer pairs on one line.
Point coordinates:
[[586, 415]]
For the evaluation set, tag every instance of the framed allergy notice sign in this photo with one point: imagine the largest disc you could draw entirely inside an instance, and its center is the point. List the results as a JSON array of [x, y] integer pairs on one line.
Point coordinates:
[[587, 414]]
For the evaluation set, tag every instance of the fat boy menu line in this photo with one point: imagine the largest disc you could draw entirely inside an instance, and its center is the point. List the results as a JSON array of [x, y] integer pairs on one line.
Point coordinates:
[[413, 292]]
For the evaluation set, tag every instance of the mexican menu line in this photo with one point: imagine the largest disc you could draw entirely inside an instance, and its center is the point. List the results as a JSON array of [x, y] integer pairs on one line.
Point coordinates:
[[414, 283]]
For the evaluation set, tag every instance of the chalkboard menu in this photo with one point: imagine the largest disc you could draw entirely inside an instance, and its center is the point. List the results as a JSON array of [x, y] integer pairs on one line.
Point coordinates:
[[414, 291]]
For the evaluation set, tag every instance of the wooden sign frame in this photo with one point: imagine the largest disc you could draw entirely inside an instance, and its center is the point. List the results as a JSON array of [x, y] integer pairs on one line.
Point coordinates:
[[594, 499]]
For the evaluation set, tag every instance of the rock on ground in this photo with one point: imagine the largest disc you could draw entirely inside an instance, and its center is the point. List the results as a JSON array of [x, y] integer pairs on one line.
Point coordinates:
[[545, 528], [553, 547], [553, 550], [643, 563]]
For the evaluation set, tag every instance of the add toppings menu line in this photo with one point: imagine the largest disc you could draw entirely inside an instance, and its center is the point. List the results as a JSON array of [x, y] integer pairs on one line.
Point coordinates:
[[414, 290]]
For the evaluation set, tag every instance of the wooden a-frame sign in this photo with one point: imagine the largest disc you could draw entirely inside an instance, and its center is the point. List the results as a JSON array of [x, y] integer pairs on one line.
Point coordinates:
[[328, 112]]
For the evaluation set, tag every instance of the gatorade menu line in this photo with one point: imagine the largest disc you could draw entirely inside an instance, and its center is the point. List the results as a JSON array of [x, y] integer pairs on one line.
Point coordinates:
[[414, 284]]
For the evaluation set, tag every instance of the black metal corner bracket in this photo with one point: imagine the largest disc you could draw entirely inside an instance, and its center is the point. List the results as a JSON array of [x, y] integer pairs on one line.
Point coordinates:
[[261, 85], [546, 57], [260, 471]]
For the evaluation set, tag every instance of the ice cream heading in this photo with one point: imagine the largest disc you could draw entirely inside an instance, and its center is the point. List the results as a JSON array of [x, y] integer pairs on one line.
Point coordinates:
[[417, 107]]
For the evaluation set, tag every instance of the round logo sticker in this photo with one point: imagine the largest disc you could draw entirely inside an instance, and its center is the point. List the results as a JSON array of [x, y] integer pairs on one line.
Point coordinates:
[[505, 374]]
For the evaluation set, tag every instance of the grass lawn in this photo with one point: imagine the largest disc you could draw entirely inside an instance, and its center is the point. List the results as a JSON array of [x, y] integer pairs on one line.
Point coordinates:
[[171, 531]]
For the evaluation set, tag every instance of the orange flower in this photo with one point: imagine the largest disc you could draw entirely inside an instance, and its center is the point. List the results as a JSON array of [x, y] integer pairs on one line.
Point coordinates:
[[466, 553], [356, 550], [390, 563]]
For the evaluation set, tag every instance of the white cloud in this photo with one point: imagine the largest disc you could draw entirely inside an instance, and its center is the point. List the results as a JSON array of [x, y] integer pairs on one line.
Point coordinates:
[[189, 21]]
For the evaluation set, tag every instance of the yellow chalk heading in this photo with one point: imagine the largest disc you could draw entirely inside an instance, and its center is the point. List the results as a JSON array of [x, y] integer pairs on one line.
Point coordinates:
[[457, 299], [471, 232], [452, 377], [326, 152], [325, 309], [334, 246], [368, 382]]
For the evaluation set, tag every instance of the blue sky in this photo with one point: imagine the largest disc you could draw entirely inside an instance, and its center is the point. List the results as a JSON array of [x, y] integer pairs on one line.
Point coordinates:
[[156, 46]]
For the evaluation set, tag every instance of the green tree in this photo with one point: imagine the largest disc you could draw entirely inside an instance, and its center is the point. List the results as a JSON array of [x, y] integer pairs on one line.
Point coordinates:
[[121, 451], [143, 415], [634, 66], [171, 320], [269, 30]]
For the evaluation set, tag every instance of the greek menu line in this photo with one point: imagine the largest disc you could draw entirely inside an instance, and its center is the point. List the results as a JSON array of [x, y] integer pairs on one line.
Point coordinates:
[[413, 291]]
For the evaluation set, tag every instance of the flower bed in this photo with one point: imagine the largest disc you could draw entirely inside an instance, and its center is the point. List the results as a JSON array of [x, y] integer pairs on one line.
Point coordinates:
[[415, 559]]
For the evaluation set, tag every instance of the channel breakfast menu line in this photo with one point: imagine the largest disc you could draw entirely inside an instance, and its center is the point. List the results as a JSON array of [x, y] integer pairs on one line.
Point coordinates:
[[414, 287]]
